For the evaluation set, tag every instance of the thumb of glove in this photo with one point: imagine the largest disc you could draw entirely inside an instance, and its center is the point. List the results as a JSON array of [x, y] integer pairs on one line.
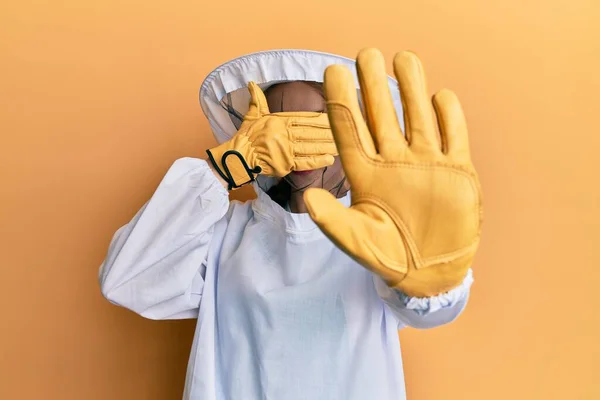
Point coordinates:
[[258, 102], [336, 221], [359, 234]]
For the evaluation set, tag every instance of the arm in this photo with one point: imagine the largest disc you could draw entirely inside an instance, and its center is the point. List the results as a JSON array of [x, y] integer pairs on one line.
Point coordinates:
[[156, 263], [425, 312]]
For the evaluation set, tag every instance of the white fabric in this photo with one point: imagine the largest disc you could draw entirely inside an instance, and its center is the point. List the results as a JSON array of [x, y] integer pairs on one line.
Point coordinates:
[[282, 313]]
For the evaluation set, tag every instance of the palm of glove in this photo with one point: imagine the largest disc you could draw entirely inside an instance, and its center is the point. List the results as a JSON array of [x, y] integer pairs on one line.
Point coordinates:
[[416, 203], [411, 237]]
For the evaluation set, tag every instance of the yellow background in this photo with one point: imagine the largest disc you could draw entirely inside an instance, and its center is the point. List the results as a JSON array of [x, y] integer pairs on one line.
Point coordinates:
[[98, 99]]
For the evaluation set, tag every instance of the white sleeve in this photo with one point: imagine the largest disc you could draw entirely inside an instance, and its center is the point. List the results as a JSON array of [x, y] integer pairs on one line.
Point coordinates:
[[156, 263], [426, 312]]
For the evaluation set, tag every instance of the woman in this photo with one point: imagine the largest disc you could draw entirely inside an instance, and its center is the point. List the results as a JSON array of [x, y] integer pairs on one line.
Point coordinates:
[[282, 312]]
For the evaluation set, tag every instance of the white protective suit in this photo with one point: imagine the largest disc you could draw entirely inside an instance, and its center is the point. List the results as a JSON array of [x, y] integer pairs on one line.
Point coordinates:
[[283, 314]]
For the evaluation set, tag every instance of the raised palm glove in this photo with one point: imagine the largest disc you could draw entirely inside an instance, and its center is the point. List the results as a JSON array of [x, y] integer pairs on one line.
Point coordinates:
[[416, 210], [273, 144]]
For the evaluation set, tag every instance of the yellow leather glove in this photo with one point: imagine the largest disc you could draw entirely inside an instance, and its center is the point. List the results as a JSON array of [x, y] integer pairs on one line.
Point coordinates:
[[416, 210], [273, 144]]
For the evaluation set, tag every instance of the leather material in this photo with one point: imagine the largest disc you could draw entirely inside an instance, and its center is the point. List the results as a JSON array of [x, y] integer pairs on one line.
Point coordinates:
[[273, 144], [416, 210]]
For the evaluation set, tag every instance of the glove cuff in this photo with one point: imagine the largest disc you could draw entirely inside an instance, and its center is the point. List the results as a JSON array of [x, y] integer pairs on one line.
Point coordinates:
[[232, 166]]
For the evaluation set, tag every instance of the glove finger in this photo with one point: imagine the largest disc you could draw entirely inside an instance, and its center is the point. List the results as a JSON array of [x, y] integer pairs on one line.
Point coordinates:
[[311, 134], [311, 128], [314, 148], [310, 163], [301, 118], [379, 107], [258, 102], [349, 129], [453, 125], [418, 113]]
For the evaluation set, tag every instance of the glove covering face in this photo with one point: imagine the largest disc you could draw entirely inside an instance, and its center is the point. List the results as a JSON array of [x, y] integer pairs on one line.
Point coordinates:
[[416, 210], [273, 144]]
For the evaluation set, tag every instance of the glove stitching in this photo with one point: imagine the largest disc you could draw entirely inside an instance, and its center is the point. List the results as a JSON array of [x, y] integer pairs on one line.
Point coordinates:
[[312, 140], [456, 168], [254, 151], [406, 235], [295, 124], [347, 115], [420, 261], [388, 263], [442, 125], [449, 257]]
